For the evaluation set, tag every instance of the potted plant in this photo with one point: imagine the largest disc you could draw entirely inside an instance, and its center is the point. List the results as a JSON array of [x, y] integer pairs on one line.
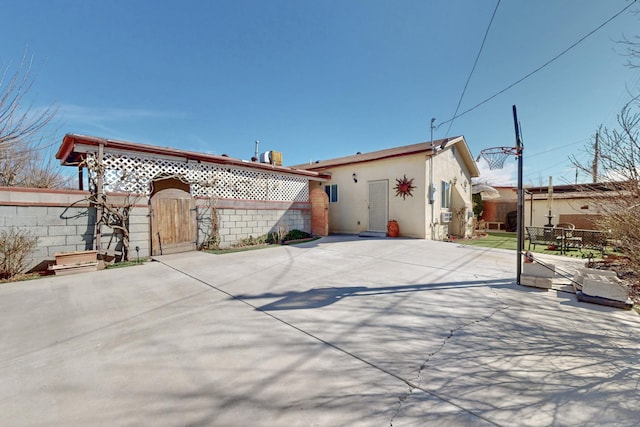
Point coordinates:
[[393, 229]]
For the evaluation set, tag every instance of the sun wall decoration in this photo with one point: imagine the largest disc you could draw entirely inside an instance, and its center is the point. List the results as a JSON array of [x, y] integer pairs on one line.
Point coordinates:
[[404, 187]]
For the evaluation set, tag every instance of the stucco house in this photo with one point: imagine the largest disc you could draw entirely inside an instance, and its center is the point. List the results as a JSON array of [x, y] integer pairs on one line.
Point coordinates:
[[425, 187], [577, 204]]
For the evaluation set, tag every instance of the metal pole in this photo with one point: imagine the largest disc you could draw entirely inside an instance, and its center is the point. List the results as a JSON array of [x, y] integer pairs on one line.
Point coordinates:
[[430, 191], [520, 211]]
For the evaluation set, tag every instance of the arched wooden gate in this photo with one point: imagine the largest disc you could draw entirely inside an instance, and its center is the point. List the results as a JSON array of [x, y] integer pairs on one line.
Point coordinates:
[[173, 217]]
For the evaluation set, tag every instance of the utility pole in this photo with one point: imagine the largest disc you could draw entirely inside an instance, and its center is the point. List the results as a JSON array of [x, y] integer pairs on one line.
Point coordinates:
[[596, 153]]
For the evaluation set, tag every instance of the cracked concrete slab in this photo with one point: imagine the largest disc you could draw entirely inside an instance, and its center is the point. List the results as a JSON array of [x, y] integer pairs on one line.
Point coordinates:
[[340, 331]]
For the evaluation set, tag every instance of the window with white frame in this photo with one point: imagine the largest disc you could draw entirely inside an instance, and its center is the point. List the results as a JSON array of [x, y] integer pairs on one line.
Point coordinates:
[[445, 195], [332, 192]]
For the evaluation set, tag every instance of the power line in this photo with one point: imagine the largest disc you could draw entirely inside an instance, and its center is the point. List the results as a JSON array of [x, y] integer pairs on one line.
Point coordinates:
[[557, 147], [472, 68], [542, 66]]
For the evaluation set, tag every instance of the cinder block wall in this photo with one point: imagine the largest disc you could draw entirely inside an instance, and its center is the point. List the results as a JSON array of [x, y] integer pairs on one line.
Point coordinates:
[[138, 225], [239, 220], [139, 232], [64, 221]]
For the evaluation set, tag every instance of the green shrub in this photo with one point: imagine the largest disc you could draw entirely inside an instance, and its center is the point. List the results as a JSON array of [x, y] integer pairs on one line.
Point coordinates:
[[296, 235]]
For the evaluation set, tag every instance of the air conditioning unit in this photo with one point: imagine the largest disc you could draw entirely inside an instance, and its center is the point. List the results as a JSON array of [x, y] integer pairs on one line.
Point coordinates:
[[265, 157], [445, 217], [271, 157]]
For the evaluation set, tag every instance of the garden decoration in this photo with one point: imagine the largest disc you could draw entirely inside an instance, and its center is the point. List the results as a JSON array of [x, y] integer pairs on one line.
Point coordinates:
[[404, 187]]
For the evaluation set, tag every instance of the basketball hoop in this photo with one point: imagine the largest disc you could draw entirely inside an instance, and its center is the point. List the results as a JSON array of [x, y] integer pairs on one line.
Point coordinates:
[[495, 156]]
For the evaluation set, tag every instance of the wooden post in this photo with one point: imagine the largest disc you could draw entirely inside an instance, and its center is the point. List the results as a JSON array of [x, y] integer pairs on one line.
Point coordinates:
[[99, 196], [80, 179]]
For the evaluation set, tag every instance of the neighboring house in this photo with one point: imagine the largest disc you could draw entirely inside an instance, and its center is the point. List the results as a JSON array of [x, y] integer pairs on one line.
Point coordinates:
[[425, 187], [577, 204], [573, 203], [193, 199], [500, 211]]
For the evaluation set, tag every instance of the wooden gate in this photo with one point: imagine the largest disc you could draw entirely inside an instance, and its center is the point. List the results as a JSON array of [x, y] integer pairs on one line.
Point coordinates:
[[173, 222]]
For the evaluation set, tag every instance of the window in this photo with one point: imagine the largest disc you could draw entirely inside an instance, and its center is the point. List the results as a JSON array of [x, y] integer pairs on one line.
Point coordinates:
[[332, 192], [445, 194]]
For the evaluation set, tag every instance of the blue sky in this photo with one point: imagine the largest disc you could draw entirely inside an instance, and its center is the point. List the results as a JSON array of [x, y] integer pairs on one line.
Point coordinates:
[[323, 79]]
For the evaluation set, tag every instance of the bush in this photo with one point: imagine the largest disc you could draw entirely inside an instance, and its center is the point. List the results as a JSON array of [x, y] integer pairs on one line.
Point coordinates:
[[296, 235], [15, 246]]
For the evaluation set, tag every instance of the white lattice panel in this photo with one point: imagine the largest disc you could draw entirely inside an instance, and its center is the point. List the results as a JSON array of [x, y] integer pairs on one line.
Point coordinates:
[[134, 174]]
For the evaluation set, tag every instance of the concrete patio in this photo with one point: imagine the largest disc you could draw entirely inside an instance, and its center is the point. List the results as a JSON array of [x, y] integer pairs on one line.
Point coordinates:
[[343, 331]]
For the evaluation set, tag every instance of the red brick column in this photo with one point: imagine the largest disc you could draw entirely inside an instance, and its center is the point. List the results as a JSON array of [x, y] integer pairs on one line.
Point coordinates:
[[319, 212]]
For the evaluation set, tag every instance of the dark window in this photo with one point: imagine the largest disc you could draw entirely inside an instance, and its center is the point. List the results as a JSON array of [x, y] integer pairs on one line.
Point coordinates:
[[332, 192]]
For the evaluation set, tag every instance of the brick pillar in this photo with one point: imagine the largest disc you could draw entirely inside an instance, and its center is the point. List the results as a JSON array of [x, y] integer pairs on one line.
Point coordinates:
[[319, 212]]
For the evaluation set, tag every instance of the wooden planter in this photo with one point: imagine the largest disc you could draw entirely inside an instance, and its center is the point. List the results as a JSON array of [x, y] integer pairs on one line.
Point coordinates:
[[76, 258], [75, 262]]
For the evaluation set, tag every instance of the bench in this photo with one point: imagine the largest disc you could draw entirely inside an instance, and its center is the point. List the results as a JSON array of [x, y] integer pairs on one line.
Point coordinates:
[[547, 236], [585, 239], [566, 238], [498, 225]]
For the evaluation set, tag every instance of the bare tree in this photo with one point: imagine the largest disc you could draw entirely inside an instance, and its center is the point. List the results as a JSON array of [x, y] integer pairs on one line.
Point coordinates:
[[617, 155], [22, 132], [632, 45], [24, 165], [112, 210]]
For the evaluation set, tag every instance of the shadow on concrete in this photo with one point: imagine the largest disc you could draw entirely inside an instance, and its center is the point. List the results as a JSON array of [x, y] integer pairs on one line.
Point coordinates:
[[321, 297]]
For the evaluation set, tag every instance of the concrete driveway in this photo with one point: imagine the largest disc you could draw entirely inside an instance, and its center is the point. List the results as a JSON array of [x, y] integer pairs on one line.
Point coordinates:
[[337, 332]]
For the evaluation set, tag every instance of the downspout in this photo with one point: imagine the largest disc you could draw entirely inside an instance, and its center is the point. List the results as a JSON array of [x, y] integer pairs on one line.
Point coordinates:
[[430, 192]]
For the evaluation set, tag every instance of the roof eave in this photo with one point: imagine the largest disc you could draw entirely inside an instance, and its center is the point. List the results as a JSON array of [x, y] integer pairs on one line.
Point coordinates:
[[70, 141]]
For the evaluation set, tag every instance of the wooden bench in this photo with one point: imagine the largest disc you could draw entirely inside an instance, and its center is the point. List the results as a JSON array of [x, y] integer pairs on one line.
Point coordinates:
[[498, 225]]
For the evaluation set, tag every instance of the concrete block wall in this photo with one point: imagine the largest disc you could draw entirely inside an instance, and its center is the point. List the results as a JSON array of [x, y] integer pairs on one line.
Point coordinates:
[[139, 232], [239, 220], [236, 225], [64, 221], [138, 226], [61, 220]]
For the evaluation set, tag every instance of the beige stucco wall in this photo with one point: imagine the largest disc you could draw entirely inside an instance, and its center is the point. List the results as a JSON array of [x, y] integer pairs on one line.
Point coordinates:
[[414, 214], [449, 167], [561, 205], [351, 213]]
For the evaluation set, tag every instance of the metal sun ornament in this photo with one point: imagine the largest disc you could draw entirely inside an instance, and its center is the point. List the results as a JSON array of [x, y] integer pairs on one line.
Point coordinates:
[[404, 187]]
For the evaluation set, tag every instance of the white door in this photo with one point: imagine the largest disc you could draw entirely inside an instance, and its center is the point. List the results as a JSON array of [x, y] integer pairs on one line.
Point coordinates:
[[378, 205]]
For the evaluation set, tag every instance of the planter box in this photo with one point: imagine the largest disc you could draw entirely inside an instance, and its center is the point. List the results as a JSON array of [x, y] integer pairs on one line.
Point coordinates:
[[63, 270], [76, 258]]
